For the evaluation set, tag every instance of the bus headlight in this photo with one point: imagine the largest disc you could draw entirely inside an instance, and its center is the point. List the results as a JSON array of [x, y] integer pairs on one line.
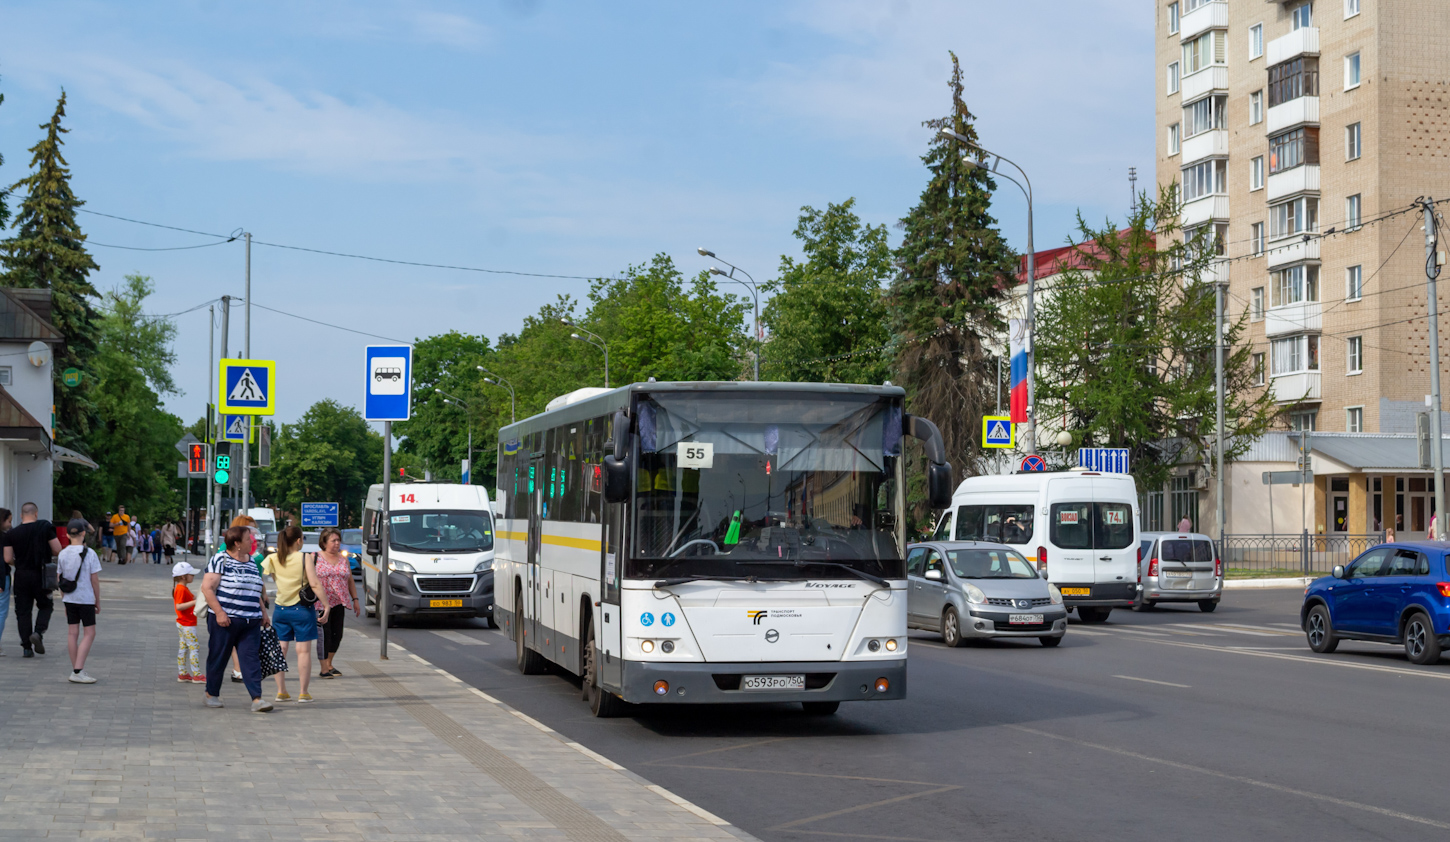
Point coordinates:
[[974, 594], [873, 645], [667, 647], [891, 645], [647, 645]]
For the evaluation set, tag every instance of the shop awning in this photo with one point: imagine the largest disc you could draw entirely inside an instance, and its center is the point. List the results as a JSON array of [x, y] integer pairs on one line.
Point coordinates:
[[65, 454], [1368, 453]]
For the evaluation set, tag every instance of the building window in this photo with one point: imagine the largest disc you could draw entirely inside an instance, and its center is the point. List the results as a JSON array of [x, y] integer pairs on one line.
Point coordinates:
[[1204, 115], [1293, 148], [1172, 78], [1303, 15], [1256, 173], [1256, 108], [1256, 41], [1194, 5], [1351, 71], [1256, 237], [1304, 420], [1183, 501], [1294, 285], [1258, 374], [1203, 51], [1295, 354], [1296, 216], [5, 375], [1293, 79], [1355, 354], [1172, 18], [1354, 283], [1205, 179], [1354, 419], [1352, 212], [1352, 147], [1256, 304], [1173, 141], [1351, 8]]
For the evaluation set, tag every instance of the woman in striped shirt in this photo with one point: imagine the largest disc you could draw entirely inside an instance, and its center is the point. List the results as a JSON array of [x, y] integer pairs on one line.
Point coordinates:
[[234, 592]]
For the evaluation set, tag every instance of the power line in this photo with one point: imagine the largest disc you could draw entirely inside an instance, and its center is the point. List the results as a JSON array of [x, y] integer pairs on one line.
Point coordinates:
[[328, 324], [172, 248]]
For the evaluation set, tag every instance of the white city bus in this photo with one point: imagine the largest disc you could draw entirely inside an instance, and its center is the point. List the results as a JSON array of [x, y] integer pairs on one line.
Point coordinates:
[[708, 542]]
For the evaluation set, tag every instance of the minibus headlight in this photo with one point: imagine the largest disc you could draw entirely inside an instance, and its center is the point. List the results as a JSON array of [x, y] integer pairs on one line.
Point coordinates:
[[974, 594], [400, 567], [483, 566]]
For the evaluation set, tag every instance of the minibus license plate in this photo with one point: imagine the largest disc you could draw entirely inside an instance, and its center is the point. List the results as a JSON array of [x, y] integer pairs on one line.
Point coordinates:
[[1077, 591], [445, 603], [773, 682], [1024, 619]]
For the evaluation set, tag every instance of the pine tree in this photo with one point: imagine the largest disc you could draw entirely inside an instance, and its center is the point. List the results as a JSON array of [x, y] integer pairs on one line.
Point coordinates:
[[953, 265], [47, 251]]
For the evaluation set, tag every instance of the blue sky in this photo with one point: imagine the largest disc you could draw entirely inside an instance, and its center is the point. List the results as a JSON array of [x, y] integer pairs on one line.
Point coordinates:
[[539, 136]]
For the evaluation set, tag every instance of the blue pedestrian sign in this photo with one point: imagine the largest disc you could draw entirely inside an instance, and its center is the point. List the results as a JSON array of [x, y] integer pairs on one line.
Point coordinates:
[[997, 431], [319, 514], [388, 394], [1109, 460], [236, 428], [248, 387]]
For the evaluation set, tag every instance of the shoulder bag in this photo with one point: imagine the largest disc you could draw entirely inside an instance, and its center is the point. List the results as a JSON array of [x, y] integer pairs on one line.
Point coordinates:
[[69, 585], [306, 596]]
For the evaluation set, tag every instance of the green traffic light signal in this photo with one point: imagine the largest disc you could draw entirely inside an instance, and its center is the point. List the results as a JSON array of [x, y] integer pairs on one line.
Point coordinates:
[[222, 477]]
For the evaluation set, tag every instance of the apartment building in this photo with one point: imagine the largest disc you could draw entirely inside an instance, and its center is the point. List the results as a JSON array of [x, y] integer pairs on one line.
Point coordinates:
[[1302, 133]]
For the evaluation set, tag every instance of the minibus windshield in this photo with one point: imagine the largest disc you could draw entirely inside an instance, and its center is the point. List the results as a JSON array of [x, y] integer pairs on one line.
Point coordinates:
[[441, 531]]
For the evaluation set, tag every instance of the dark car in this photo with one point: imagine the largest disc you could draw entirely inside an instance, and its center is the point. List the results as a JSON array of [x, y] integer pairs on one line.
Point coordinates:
[[352, 544], [1393, 593]]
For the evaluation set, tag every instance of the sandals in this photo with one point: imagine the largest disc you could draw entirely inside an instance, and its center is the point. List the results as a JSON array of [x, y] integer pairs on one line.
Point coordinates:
[[332, 673]]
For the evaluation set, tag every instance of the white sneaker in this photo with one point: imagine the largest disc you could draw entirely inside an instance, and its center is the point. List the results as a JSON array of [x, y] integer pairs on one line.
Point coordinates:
[[81, 678]]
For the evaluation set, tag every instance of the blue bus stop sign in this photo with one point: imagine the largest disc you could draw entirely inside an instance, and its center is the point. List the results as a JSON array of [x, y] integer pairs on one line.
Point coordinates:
[[387, 395]]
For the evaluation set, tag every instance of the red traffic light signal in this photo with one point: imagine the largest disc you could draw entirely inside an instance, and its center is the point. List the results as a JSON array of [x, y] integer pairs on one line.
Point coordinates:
[[197, 459]]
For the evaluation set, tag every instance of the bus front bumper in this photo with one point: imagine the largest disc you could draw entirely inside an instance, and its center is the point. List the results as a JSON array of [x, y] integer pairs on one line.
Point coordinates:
[[713, 683]]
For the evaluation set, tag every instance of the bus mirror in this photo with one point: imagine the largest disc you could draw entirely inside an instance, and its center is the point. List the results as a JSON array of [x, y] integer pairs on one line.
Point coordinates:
[[616, 480], [939, 485], [375, 545]]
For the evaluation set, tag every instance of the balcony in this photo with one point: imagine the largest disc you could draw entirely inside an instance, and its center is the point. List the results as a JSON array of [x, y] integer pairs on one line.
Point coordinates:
[[1301, 179], [1295, 112], [1292, 250], [1293, 318], [1300, 42], [1212, 144], [1212, 79], [1204, 210], [1210, 16], [1293, 388]]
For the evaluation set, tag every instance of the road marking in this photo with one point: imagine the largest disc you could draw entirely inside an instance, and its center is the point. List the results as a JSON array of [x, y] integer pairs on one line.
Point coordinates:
[[859, 807], [1320, 660], [460, 637], [718, 750], [1232, 630], [670, 796], [1152, 681], [1075, 630], [1328, 799], [1138, 631]]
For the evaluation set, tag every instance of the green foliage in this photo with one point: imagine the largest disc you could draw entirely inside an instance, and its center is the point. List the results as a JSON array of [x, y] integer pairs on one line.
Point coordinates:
[[4, 193], [1125, 348], [827, 318], [437, 434], [329, 455]]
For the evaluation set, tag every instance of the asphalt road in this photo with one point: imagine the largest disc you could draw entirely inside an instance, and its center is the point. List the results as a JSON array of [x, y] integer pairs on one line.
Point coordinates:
[[1170, 724]]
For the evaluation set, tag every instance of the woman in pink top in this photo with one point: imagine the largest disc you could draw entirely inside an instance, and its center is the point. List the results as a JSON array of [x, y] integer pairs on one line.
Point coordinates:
[[336, 575]]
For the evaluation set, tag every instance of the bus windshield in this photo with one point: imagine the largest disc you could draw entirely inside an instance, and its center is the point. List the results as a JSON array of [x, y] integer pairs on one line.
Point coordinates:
[[441, 532], [774, 485]]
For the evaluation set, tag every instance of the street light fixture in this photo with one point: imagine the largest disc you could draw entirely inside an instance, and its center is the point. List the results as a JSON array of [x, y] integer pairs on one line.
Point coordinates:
[[1031, 437], [467, 414], [754, 294], [499, 381], [600, 344]]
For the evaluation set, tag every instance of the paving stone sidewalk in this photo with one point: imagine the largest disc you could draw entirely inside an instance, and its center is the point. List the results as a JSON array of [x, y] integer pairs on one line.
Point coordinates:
[[394, 750]]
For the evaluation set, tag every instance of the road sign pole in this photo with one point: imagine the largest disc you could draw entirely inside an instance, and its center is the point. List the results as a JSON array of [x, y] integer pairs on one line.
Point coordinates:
[[382, 601], [247, 352], [216, 530]]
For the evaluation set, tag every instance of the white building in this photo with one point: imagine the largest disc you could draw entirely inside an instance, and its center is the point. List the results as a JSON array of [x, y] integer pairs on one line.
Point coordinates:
[[27, 401]]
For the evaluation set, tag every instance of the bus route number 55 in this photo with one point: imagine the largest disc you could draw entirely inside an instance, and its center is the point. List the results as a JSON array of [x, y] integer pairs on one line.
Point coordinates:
[[695, 454]]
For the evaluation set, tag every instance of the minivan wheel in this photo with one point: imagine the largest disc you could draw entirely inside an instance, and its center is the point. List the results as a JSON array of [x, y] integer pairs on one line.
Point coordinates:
[[951, 627], [1421, 645], [1319, 631], [1093, 614], [1207, 606]]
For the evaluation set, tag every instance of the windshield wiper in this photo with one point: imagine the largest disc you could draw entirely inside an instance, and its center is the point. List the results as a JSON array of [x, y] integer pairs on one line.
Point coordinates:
[[681, 580], [870, 577]]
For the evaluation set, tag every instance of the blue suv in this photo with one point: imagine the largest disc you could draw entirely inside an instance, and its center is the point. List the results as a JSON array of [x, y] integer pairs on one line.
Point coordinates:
[[1394, 593]]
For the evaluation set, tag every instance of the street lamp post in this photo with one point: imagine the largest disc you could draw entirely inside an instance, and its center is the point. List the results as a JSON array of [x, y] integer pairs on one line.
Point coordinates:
[[499, 381], [468, 414], [600, 344], [754, 294], [1031, 437]]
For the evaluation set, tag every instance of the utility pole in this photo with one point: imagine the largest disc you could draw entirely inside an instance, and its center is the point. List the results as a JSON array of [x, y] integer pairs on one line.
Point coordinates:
[[247, 354], [216, 534], [208, 424], [1218, 351], [1432, 271]]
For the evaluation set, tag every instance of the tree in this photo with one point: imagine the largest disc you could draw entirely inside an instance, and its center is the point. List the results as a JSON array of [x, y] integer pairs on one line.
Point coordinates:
[[953, 268], [437, 433], [4, 193], [329, 454], [1125, 347], [827, 318], [48, 251]]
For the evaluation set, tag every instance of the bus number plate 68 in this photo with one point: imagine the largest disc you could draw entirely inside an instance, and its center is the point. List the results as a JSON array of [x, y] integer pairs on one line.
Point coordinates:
[[773, 682]]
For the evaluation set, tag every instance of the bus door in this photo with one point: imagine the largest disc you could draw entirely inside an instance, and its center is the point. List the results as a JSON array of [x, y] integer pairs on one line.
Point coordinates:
[[532, 580]]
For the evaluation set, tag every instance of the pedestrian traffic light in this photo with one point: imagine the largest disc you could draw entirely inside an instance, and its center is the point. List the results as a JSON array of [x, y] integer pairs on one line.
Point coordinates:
[[197, 459]]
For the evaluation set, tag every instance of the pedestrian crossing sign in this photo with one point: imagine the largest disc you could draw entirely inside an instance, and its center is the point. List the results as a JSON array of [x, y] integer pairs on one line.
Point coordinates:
[[997, 431], [237, 428], [248, 387]]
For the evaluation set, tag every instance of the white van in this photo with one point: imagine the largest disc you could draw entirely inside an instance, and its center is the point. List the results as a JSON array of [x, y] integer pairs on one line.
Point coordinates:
[[440, 550], [1079, 527], [266, 519]]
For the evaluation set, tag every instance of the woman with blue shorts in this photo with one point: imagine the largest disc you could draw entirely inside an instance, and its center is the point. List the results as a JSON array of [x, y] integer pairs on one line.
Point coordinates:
[[294, 619]]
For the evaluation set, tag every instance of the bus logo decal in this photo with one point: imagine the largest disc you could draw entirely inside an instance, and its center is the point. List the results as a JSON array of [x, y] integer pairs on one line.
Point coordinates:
[[757, 616], [772, 636], [646, 619], [667, 619]]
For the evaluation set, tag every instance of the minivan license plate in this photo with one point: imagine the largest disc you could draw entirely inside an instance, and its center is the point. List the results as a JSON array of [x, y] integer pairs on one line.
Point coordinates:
[[1024, 619], [773, 682], [445, 603]]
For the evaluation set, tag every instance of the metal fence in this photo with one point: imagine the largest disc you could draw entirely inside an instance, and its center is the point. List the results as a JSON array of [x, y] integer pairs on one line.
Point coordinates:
[[1302, 553]]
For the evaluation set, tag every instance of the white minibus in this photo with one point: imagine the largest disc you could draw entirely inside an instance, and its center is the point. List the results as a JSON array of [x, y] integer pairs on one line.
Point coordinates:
[[440, 550]]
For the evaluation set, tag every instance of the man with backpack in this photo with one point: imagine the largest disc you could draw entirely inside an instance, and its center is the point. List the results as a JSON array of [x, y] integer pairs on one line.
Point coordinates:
[[29, 547]]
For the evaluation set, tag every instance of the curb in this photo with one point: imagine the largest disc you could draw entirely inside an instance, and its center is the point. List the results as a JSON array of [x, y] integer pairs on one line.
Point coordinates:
[[1296, 582]]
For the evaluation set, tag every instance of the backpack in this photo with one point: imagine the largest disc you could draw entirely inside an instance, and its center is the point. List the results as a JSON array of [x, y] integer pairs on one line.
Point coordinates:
[[69, 585]]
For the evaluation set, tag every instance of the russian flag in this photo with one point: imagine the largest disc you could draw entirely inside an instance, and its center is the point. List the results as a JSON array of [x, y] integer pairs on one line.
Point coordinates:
[[1017, 332]]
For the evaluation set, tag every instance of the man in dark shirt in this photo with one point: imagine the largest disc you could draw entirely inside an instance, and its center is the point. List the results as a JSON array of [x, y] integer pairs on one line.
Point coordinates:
[[28, 548]]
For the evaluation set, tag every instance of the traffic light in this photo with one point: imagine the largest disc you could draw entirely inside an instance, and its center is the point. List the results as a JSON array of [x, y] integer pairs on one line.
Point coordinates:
[[197, 459], [223, 473]]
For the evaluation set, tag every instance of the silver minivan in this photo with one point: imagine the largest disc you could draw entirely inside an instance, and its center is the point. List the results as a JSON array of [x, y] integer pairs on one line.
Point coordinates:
[[966, 589], [1179, 567]]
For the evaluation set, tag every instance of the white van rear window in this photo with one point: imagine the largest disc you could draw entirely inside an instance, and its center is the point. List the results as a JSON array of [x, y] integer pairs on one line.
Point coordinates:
[[1091, 526]]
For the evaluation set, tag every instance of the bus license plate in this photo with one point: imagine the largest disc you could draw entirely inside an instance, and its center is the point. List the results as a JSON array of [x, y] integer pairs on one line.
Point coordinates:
[[773, 682], [445, 603], [1077, 591], [1024, 619]]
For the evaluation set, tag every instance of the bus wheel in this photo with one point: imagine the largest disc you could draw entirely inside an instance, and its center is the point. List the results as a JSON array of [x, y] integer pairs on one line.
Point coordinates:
[[602, 703], [530, 662], [820, 708]]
